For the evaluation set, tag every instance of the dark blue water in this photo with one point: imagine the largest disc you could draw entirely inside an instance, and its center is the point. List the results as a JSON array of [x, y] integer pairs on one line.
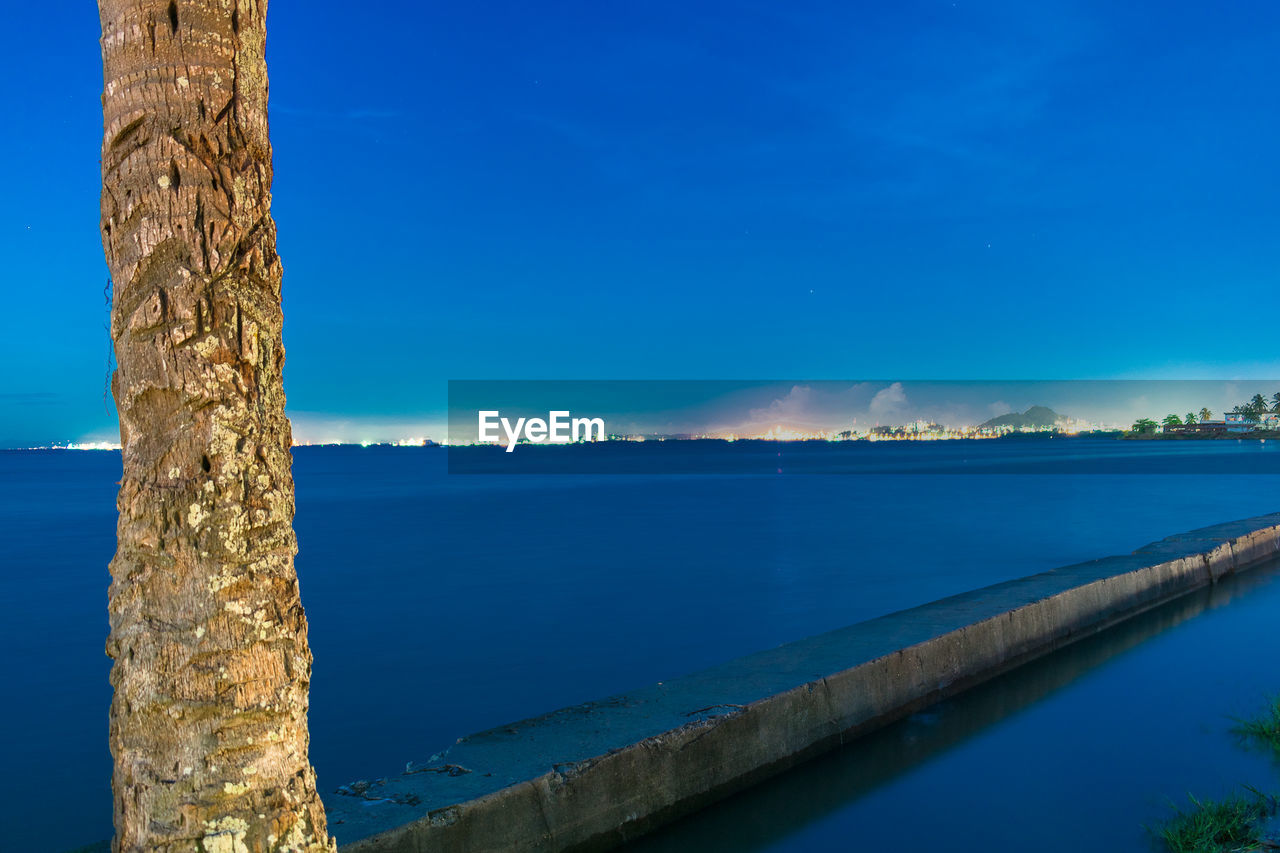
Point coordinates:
[[441, 605], [1080, 751]]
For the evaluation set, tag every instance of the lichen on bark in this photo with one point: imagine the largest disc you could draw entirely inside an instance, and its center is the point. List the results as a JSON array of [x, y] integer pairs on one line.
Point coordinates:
[[211, 667]]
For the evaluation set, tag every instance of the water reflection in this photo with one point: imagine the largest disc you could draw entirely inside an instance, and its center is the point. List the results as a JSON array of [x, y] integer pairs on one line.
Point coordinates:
[[762, 817]]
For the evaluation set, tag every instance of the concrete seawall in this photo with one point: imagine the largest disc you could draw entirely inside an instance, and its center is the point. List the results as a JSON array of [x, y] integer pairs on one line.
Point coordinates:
[[589, 777]]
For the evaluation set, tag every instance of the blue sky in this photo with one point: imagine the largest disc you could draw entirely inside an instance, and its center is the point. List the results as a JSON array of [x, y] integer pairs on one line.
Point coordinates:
[[696, 190]]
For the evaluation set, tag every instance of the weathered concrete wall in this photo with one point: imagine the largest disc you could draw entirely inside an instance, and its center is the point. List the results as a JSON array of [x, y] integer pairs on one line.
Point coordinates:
[[592, 776]]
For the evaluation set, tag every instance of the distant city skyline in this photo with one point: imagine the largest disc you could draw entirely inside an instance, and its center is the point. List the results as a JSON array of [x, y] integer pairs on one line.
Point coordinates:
[[800, 408], [924, 190], [776, 408]]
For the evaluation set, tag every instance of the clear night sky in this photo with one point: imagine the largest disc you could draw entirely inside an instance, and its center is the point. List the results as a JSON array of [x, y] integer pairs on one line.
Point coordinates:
[[696, 190]]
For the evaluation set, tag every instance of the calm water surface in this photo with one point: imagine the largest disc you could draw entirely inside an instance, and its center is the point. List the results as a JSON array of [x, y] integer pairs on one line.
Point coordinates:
[[441, 605], [1082, 750]]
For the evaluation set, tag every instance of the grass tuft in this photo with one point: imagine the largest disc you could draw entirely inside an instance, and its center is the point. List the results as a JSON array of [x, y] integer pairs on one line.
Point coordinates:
[[1233, 824], [1264, 729]]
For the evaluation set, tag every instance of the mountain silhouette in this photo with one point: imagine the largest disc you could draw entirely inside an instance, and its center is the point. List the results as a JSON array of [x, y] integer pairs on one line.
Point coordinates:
[[1036, 417]]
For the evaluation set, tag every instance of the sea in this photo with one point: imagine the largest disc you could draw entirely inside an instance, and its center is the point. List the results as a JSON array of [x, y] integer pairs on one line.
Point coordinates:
[[446, 603]]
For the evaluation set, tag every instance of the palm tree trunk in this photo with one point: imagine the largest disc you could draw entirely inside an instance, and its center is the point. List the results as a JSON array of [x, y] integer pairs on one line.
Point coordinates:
[[209, 640]]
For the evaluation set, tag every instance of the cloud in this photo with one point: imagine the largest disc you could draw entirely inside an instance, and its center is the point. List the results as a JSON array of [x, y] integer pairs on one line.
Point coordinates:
[[821, 406], [888, 402], [809, 408], [796, 403]]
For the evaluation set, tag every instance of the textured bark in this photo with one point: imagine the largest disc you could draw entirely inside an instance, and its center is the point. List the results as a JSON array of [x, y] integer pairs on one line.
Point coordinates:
[[211, 665]]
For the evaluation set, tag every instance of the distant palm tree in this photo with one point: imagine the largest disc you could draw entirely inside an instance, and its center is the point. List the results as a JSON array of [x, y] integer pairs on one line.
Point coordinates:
[[1172, 420], [1206, 415], [1258, 405], [1144, 426], [1275, 399], [208, 725], [1191, 417]]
